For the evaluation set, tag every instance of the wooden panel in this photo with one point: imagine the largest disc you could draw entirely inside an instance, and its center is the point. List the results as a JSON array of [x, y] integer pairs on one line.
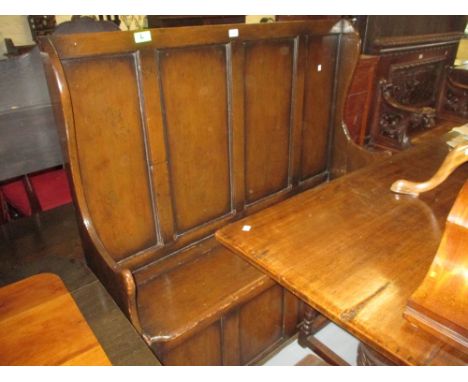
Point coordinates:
[[195, 97], [260, 323], [110, 139], [231, 339], [318, 100], [268, 95], [204, 349], [290, 312]]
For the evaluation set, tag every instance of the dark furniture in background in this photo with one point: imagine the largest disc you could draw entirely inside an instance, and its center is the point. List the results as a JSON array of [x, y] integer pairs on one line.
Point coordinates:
[[453, 99], [113, 18], [86, 24], [31, 177], [182, 21], [360, 96], [29, 140], [413, 53], [41, 26], [27, 126]]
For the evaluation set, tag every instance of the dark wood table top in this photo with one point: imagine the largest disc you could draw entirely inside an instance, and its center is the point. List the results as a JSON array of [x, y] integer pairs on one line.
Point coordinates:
[[355, 251]]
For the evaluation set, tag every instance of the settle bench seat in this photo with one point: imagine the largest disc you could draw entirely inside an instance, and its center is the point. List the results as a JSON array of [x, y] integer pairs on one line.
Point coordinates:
[[171, 139], [195, 294]]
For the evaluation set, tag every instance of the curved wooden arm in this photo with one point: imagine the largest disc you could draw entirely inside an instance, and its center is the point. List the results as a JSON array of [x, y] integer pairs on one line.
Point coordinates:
[[455, 158], [130, 296], [457, 85], [386, 94], [453, 83]]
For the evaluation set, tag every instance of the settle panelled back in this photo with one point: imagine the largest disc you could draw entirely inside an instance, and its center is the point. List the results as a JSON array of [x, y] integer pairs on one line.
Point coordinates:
[[110, 142], [268, 95], [170, 139], [194, 92]]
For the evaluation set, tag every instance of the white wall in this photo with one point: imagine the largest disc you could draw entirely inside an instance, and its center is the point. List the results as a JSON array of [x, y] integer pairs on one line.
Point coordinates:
[[252, 19], [16, 28], [462, 54]]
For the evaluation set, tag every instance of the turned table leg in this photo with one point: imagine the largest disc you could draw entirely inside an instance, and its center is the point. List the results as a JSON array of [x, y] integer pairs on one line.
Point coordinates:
[[312, 323]]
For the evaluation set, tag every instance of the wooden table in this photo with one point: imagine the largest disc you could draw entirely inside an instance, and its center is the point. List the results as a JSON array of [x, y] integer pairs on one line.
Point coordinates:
[[40, 324], [50, 243], [355, 252]]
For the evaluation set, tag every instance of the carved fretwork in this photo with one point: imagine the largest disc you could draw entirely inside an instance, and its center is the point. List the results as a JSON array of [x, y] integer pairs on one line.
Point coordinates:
[[391, 126], [398, 119], [415, 84], [408, 91]]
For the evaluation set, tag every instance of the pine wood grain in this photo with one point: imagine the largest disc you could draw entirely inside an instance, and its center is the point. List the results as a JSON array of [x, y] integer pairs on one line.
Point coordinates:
[[40, 324]]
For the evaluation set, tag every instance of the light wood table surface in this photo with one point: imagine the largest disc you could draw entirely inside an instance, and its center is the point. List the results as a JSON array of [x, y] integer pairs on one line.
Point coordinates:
[[40, 324], [355, 252]]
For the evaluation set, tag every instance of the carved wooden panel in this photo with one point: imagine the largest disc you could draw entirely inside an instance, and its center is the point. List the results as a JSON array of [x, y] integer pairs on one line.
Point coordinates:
[[457, 102], [269, 70], [408, 84], [453, 100], [416, 83], [197, 127], [321, 55], [110, 143]]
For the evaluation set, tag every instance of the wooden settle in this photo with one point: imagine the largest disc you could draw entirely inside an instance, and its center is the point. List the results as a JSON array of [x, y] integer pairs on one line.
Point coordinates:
[[169, 140]]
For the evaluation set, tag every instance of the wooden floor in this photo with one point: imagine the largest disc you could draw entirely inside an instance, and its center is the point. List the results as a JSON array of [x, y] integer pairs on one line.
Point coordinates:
[[49, 242]]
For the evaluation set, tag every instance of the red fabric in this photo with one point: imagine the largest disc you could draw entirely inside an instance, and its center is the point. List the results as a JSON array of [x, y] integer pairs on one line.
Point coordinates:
[[51, 189], [15, 194]]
